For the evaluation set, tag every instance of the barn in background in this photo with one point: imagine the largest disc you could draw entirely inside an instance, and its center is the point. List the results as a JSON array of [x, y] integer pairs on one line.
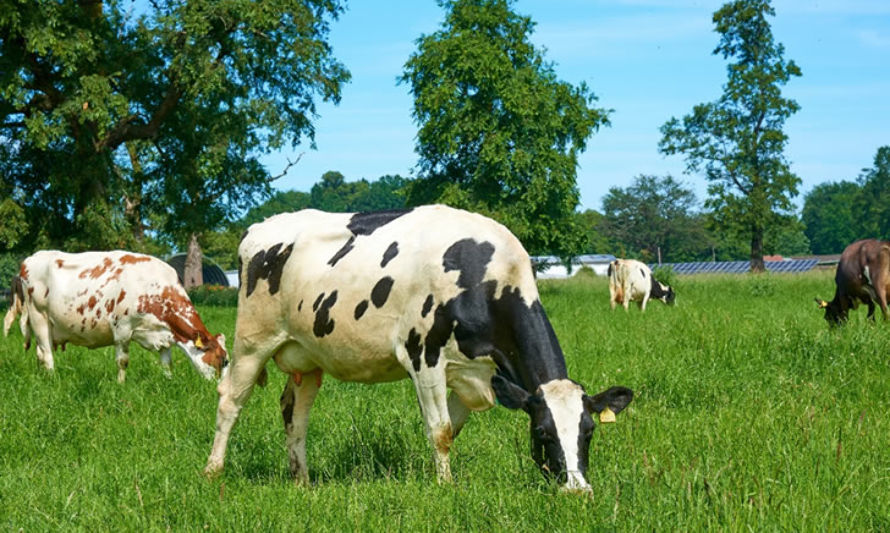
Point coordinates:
[[213, 274]]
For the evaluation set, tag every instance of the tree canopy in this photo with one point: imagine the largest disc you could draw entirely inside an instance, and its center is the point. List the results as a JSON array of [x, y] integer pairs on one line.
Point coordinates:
[[499, 133], [738, 140], [115, 122]]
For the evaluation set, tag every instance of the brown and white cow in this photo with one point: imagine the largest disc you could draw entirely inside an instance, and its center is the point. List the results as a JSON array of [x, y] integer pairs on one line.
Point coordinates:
[[631, 280], [98, 299], [863, 275], [441, 296]]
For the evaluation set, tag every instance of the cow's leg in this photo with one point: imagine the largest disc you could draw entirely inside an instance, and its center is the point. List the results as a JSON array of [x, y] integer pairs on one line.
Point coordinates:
[[43, 334], [296, 401], [433, 398], [165, 363], [457, 413], [613, 298], [234, 389], [644, 301], [122, 356], [625, 298], [871, 309]]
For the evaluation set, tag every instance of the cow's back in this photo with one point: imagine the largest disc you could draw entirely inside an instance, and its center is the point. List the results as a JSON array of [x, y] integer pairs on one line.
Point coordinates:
[[84, 295], [351, 288]]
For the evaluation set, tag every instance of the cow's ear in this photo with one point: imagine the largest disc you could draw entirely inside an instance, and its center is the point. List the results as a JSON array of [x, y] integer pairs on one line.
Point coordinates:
[[615, 399], [221, 340], [510, 395]]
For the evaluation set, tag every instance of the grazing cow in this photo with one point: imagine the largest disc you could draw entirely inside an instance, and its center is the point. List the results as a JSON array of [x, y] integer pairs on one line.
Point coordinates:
[[863, 274], [439, 295], [98, 299], [631, 280]]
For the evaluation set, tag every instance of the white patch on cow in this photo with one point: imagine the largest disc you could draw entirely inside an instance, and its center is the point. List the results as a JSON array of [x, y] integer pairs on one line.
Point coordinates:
[[565, 399], [195, 354]]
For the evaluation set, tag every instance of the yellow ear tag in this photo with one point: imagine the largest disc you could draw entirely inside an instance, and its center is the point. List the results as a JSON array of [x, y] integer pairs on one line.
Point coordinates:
[[607, 416], [198, 343]]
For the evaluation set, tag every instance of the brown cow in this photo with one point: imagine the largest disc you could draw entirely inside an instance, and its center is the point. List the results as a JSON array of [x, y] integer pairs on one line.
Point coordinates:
[[863, 275]]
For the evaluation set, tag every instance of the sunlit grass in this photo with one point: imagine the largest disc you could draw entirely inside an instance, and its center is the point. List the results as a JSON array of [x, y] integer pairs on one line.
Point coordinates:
[[749, 414]]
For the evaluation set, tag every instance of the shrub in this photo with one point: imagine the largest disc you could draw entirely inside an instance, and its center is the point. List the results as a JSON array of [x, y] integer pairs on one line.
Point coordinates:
[[214, 295]]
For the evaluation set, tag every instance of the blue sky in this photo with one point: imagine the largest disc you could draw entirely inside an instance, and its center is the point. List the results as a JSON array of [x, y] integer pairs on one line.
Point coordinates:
[[647, 60]]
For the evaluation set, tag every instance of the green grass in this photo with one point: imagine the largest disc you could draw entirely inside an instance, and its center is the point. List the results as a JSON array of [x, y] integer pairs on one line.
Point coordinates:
[[749, 414]]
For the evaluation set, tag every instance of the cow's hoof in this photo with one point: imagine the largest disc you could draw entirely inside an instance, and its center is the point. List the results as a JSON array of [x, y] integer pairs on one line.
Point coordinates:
[[212, 472]]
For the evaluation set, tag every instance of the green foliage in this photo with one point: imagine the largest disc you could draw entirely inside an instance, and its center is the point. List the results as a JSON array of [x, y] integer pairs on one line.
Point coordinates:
[[499, 133], [749, 414], [836, 214], [280, 202], [874, 204], [117, 120], [655, 212], [831, 216], [214, 295], [591, 223], [334, 194], [738, 140]]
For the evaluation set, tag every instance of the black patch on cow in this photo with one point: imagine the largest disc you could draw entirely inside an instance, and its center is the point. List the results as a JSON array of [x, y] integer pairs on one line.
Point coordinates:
[[267, 264], [470, 258], [361, 308], [342, 251], [380, 292], [240, 264], [324, 325], [300, 307], [317, 302], [427, 306], [389, 254], [414, 349], [367, 223]]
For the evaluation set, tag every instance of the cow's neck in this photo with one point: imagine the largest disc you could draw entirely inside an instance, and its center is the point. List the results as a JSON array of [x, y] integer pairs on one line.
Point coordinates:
[[531, 355]]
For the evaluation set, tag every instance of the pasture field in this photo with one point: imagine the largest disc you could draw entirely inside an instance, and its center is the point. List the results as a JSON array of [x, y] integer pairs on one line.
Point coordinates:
[[750, 414]]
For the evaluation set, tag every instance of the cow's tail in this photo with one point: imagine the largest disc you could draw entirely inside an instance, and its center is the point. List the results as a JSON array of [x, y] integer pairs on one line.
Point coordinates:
[[15, 308]]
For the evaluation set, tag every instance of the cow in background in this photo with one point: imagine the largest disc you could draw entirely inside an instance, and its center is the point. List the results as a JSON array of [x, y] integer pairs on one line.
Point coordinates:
[[631, 280], [96, 299], [863, 275]]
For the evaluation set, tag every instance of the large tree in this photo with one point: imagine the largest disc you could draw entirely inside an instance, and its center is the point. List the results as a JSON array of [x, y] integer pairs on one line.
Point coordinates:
[[830, 216], [113, 122], [655, 218], [873, 206], [499, 133], [738, 140]]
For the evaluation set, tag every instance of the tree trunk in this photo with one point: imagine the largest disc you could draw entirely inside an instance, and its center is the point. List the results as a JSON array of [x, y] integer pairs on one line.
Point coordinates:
[[757, 265], [193, 274]]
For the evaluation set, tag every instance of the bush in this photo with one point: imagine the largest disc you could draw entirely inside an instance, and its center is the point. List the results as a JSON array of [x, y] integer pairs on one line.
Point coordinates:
[[214, 295], [665, 274]]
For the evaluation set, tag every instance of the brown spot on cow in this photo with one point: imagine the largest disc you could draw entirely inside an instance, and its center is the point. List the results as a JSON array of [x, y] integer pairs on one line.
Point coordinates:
[[30, 291], [99, 313], [80, 309], [46, 292], [23, 271], [130, 259], [120, 296], [97, 270], [60, 263], [91, 303], [109, 306]]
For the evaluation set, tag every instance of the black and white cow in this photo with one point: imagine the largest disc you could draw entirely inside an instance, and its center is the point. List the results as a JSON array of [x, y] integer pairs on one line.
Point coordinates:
[[439, 295], [631, 280]]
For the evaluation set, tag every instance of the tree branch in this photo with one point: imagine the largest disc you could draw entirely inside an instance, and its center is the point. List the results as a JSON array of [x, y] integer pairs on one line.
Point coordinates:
[[284, 172]]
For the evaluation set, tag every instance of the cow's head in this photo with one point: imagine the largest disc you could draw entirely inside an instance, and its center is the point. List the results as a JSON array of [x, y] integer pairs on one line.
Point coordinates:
[[562, 423], [669, 295], [835, 312], [208, 354]]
